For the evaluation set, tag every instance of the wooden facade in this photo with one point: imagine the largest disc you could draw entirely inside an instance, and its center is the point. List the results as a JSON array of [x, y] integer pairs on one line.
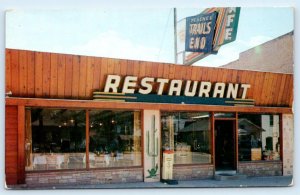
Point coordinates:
[[57, 76], [42, 79]]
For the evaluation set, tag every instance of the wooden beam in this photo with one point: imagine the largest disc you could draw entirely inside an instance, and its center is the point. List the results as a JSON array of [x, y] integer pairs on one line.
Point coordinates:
[[21, 144], [212, 149], [62, 103], [236, 131], [87, 138]]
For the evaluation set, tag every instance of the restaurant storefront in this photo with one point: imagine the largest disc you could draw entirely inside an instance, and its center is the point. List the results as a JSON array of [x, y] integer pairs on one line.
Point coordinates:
[[88, 120]]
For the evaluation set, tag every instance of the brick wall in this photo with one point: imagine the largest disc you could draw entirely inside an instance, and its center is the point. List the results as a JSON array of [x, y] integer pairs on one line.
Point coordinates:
[[191, 172], [55, 178], [262, 168], [273, 56]]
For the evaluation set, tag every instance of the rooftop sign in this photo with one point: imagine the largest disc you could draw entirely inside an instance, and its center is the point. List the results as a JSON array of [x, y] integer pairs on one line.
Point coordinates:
[[200, 32]]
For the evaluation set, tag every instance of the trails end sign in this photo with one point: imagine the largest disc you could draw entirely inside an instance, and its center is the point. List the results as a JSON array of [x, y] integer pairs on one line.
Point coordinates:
[[200, 32]]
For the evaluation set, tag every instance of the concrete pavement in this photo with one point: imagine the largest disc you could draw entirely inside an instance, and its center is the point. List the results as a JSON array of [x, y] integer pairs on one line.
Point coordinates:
[[276, 181]]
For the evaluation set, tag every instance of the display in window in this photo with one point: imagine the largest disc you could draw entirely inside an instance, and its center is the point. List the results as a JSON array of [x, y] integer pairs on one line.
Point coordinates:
[[259, 137]]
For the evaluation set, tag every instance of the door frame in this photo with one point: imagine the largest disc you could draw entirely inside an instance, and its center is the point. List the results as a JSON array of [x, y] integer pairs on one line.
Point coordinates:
[[235, 132]]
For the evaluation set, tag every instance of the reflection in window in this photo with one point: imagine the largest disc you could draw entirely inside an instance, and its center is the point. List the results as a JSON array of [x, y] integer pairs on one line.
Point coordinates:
[[259, 137], [54, 139], [189, 135], [115, 138]]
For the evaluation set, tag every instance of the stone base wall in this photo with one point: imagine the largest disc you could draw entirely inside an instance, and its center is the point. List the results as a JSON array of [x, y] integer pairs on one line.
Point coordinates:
[[191, 172], [54, 178], [262, 168]]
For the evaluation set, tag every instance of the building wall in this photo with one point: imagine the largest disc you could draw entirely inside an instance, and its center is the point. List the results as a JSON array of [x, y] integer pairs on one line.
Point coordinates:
[[288, 143], [262, 168], [273, 56], [79, 177], [60, 76], [191, 172], [11, 145]]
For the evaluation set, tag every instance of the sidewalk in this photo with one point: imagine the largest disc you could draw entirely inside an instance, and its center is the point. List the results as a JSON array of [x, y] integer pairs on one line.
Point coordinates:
[[276, 181]]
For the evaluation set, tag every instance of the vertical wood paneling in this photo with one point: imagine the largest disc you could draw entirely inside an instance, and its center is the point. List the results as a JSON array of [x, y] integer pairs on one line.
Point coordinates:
[[266, 86], [234, 76], [171, 71], [287, 93], [38, 73], [97, 72], [189, 73], [15, 73], [281, 89], [276, 90], [68, 76], [46, 74], [76, 76], [11, 145], [53, 80], [110, 66], [136, 68], [23, 72], [7, 70], [30, 73], [154, 70], [204, 74], [103, 68], [160, 70], [252, 84], [272, 90], [123, 67], [82, 77], [61, 75], [142, 72], [194, 73], [89, 76], [291, 92], [177, 74], [148, 72], [258, 79], [166, 71], [21, 144], [117, 67], [257, 95]]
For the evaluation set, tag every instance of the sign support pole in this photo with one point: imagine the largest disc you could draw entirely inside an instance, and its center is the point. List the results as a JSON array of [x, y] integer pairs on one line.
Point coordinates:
[[175, 36]]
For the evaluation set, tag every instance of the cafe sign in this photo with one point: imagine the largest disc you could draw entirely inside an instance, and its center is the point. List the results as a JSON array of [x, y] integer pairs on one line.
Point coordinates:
[[176, 91]]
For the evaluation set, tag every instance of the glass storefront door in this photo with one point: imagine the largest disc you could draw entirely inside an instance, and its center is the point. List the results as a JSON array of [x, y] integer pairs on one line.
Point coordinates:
[[225, 145]]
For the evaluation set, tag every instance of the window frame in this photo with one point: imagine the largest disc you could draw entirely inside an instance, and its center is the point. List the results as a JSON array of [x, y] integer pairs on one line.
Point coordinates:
[[87, 130]]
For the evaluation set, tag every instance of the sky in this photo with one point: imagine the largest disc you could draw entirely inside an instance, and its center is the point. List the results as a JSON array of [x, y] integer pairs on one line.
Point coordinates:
[[139, 34]]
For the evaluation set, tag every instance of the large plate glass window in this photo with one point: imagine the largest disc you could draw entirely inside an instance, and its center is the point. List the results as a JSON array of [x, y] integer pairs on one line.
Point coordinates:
[[189, 135], [54, 139], [259, 137], [115, 138]]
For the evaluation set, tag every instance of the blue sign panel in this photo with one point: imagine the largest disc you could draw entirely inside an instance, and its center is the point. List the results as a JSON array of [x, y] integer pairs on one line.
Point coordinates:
[[165, 99], [200, 32]]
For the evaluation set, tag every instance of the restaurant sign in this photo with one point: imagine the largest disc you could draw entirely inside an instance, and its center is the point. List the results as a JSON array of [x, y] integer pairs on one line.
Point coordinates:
[[161, 90], [200, 32]]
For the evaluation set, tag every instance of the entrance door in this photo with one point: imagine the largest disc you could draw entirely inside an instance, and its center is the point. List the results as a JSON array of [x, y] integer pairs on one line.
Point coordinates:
[[225, 151]]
